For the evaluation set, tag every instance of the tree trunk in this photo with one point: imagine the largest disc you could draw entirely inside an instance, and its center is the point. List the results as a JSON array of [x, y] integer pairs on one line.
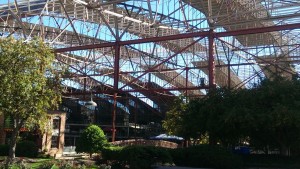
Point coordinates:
[[12, 147], [13, 143]]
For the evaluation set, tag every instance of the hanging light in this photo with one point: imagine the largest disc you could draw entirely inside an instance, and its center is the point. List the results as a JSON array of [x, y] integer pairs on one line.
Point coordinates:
[[91, 103]]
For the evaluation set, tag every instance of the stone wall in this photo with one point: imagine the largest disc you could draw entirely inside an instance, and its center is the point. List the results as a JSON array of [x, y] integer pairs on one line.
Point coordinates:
[[156, 143]]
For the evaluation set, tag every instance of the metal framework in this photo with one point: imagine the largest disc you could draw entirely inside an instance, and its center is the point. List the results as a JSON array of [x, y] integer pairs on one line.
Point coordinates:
[[153, 50]]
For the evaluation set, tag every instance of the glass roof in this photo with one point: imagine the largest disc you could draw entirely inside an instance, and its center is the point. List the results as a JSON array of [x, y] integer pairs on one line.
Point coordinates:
[[164, 67]]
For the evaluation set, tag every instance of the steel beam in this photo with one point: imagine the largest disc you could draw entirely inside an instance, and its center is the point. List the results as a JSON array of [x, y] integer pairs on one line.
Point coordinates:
[[185, 35], [116, 87], [71, 22], [166, 89], [211, 60], [258, 30], [162, 62]]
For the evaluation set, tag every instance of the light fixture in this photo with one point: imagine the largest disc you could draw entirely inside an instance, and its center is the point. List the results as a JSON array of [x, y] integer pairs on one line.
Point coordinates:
[[163, 27], [113, 13], [147, 24], [91, 104], [80, 2], [132, 19]]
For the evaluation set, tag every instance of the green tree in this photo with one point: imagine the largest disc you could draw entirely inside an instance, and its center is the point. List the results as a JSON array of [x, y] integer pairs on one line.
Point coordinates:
[[174, 118], [209, 116], [267, 115], [276, 111], [28, 84], [92, 140]]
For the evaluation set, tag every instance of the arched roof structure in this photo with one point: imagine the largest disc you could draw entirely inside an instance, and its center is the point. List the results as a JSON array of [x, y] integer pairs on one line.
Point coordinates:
[[154, 50]]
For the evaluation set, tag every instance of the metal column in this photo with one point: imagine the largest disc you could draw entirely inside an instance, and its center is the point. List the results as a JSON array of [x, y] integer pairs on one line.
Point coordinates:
[[211, 60]]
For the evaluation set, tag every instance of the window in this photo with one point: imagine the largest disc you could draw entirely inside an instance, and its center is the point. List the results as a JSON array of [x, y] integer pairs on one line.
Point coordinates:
[[56, 123], [54, 142], [55, 132]]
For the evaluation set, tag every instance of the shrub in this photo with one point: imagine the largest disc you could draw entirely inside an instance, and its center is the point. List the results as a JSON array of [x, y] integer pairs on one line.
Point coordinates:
[[136, 157], [47, 165], [26, 149], [271, 161], [18, 166], [111, 153], [206, 156], [4, 149], [65, 164], [17, 163], [92, 140]]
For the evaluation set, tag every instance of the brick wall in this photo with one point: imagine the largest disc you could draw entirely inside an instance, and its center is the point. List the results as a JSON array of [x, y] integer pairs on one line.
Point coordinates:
[[157, 143], [46, 144]]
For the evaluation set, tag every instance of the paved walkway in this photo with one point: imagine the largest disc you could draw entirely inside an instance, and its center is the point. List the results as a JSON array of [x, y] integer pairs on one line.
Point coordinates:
[[174, 167]]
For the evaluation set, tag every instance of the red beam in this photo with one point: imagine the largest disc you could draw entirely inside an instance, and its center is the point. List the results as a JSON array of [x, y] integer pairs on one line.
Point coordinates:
[[167, 89], [186, 35], [211, 60], [117, 66], [166, 38], [111, 91], [258, 30]]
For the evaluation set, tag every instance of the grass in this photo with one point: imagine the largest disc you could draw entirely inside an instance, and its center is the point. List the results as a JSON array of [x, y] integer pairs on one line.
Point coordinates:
[[39, 162]]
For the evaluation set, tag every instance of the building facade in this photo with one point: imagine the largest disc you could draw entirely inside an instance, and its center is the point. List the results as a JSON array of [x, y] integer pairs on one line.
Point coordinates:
[[50, 141]]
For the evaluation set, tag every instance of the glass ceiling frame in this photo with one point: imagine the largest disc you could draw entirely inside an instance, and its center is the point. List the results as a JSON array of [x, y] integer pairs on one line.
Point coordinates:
[[170, 43]]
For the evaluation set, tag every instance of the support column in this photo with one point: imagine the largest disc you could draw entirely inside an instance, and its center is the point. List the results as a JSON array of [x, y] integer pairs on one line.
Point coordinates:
[[211, 60], [113, 130], [116, 81], [228, 75], [186, 82]]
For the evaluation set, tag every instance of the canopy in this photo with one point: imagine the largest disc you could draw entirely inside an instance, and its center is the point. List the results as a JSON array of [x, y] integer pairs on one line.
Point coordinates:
[[166, 137]]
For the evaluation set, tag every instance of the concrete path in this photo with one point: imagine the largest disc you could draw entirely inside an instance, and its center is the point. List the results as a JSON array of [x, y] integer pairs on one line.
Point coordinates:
[[174, 167]]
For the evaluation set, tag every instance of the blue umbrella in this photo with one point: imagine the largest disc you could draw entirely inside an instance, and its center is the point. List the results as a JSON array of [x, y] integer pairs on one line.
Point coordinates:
[[166, 137]]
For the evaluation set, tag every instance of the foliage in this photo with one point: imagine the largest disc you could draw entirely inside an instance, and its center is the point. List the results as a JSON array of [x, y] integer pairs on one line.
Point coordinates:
[[174, 123], [270, 161], [92, 140], [26, 163], [17, 164], [267, 115], [23, 149], [104, 166], [65, 164], [112, 153], [26, 149], [137, 156], [29, 86], [206, 156], [47, 165], [277, 104], [4, 149]]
